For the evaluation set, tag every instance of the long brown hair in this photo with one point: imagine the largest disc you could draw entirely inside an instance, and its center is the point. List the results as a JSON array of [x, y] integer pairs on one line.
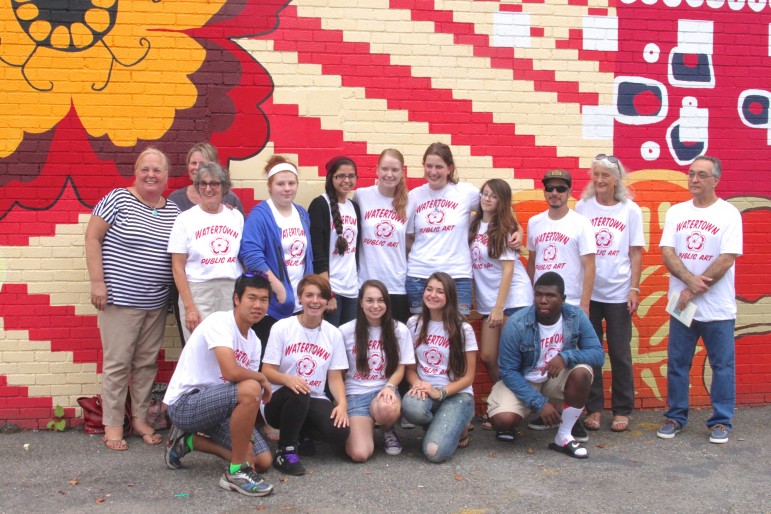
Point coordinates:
[[387, 332], [452, 322], [341, 245], [503, 223], [401, 193]]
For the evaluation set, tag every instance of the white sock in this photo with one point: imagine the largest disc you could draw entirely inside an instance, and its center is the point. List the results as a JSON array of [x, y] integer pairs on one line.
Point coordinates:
[[569, 417]]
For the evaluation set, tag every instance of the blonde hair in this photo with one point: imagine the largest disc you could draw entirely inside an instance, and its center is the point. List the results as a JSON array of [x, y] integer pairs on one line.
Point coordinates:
[[152, 150], [400, 194]]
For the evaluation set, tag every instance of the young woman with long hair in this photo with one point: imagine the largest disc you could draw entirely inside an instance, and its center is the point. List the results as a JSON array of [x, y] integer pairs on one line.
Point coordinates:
[[384, 230], [336, 237], [501, 283], [378, 347], [441, 398]]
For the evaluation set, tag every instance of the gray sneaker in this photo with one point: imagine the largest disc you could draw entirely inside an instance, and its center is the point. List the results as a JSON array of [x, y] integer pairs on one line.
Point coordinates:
[[245, 481], [669, 429], [392, 444], [718, 434], [176, 448]]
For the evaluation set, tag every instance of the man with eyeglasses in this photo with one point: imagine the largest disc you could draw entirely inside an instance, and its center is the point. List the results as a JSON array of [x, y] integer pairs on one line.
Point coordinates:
[[700, 243], [561, 240]]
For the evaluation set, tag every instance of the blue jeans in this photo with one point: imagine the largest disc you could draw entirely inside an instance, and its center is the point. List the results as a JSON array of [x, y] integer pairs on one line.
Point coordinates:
[[415, 287], [345, 312], [718, 337], [445, 421]]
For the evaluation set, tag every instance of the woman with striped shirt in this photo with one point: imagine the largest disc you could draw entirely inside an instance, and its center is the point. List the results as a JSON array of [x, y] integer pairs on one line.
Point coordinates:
[[130, 273]]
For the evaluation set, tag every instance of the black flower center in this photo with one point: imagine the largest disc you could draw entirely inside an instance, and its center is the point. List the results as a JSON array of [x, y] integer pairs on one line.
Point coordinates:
[[66, 25]]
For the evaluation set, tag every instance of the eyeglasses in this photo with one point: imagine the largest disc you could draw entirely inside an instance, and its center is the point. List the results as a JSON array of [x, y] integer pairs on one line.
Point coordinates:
[[213, 185], [551, 187], [702, 175], [491, 196], [343, 178], [601, 157]]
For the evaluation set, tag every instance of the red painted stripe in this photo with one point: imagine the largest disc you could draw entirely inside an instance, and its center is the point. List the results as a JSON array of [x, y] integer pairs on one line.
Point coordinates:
[[358, 67], [503, 58]]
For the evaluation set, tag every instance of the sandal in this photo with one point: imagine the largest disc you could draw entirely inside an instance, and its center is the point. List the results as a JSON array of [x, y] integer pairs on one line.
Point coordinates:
[[271, 434], [147, 433], [465, 439], [592, 421], [620, 424], [118, 445], [484, 422], [571, 449]]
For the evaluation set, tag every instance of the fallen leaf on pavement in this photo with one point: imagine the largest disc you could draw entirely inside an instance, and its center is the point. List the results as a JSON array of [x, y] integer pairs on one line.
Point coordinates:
[[492, 454], [530, 451], [100, 500], [458, 478], [74, 481]]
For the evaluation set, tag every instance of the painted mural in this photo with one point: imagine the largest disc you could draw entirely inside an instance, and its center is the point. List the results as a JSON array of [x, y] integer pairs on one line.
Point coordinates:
[[515, 87]]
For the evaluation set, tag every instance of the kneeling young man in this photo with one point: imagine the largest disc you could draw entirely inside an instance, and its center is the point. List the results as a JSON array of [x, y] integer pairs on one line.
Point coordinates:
[[547, 352], [215, 392]]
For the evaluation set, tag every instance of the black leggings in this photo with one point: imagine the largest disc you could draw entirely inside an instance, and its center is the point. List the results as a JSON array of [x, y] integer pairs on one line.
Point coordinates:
[[297, 415]]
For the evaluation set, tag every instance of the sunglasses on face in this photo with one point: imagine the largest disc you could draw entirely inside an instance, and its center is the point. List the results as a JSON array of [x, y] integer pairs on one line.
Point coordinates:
[[551, 188]]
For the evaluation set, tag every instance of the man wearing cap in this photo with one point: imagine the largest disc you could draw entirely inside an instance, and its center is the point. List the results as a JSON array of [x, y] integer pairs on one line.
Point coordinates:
[[561, 240], [700, 243]]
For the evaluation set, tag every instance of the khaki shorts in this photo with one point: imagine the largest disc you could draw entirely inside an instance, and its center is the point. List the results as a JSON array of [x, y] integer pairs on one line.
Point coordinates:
[[501, 398]]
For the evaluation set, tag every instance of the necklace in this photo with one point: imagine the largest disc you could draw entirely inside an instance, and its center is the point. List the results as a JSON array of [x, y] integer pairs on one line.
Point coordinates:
[[317, 330], [141, 199]]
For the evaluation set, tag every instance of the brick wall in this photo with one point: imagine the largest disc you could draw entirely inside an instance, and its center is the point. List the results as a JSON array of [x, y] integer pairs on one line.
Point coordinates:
[[514, 88]]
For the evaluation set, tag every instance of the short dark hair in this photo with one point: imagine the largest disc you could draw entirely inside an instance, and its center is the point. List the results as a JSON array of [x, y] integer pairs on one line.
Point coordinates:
[[251, 279], [315, 280], [550, 278]]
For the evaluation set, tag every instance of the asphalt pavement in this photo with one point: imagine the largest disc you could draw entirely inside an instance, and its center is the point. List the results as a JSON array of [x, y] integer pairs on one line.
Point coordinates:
[[632, 471]]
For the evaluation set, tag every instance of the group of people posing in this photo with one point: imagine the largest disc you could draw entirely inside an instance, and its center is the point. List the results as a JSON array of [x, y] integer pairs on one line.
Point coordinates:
[[316, 318]]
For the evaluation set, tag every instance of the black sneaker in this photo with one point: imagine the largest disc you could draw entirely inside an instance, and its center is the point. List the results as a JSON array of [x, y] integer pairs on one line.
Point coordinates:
[[306, 448], [538, 424], [287, 461], [245, 481], [176, 448], [579, 432]]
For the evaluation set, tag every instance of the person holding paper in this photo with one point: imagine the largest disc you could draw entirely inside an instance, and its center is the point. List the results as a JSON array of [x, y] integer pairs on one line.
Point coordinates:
[[700, 243]]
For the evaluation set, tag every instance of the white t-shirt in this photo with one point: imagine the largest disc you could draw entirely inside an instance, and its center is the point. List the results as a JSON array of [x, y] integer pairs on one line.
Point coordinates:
[[487, 276], [198, 367], [699, 236], [383, 247], [440, 222], [305, 353], [357, 383], [616, 228], [552, 342], [294, 242], [342, 268], [433, 355], [211, 242], [557, 245]]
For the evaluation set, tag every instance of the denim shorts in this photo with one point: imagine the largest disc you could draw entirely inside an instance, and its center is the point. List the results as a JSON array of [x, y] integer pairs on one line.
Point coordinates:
[[359, 404], [416, 286]]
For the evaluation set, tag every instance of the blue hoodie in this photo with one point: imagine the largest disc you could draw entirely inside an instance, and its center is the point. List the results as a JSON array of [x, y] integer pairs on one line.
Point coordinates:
[[261, 251]]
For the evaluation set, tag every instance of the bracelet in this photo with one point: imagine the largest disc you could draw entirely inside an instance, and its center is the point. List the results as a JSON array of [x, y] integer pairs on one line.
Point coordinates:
[[442, 393], [635, 289], [390, 385]]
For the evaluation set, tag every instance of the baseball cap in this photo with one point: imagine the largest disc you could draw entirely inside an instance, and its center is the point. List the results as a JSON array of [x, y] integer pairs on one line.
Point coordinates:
[[558, 174]]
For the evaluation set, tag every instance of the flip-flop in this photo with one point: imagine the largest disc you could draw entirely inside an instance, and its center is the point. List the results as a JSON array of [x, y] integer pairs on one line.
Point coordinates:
[[117, 445], [592, 421], [484, 422], [152, 438], [569, 449], [620, 424]]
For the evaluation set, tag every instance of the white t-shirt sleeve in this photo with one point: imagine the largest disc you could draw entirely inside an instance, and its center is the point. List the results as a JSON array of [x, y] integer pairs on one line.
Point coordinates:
[[733, 239], [339, 357], [178, 236], [636, 230], [586, 242], [406, 348], [471, 338]]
